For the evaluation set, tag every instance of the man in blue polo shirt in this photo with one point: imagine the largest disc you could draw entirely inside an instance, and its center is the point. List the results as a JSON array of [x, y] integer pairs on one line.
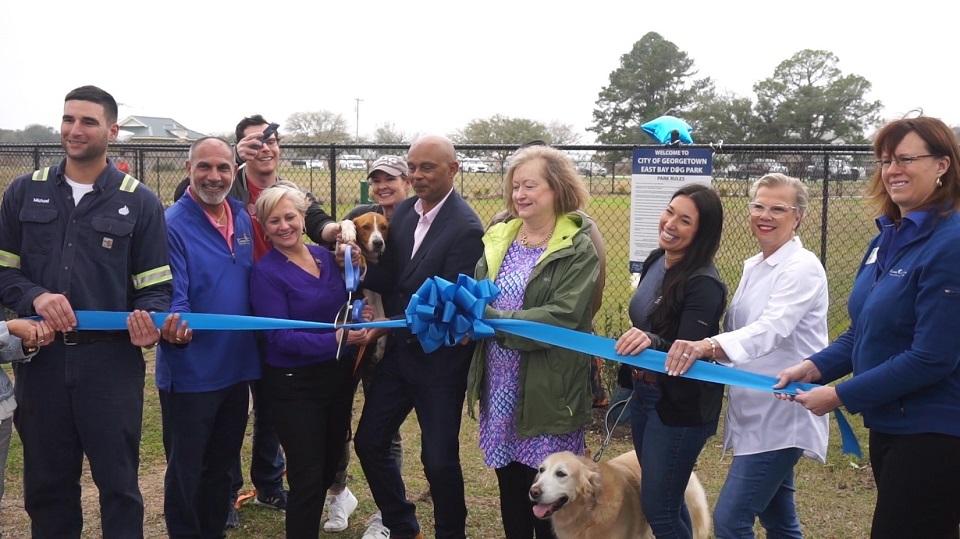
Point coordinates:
[[203, 377]]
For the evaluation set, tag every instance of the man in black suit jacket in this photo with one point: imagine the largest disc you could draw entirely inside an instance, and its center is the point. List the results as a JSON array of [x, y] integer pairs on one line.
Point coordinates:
[[433, 234]]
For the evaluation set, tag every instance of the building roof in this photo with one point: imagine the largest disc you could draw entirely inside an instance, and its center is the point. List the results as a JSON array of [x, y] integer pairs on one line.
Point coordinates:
[[156, 128]]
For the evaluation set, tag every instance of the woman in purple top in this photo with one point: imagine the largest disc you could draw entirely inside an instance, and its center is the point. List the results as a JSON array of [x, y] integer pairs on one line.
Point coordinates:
[[306, 389]]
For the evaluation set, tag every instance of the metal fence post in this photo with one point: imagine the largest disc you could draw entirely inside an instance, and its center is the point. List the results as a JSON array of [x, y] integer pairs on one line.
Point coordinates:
[[36, 158], [140, 169], [332, 163], [824, 207]]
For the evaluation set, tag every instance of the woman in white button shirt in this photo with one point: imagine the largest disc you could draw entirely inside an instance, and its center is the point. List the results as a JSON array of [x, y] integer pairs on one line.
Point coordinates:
[[777, 317]]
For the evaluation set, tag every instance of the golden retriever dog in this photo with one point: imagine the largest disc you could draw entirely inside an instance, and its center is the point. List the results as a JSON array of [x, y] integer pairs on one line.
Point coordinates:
[[586, 499]]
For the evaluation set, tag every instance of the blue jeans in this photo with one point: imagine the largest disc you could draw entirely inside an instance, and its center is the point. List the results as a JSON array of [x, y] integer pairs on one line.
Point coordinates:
[[667, 455], [759, 485]]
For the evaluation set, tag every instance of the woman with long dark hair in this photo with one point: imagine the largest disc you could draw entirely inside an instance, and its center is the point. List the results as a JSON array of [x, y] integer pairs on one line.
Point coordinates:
[[680, 296]]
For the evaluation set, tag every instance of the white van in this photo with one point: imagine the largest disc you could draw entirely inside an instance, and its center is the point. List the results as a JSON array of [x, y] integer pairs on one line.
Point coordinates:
[[351, 162]]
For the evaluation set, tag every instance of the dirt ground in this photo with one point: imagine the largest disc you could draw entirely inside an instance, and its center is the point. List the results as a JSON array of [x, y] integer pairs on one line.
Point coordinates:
[[14, 522]]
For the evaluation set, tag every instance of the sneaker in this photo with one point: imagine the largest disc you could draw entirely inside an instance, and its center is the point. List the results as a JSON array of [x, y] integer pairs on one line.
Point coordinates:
[[376, 529], [341, 507], [233, 519], [276, 500]]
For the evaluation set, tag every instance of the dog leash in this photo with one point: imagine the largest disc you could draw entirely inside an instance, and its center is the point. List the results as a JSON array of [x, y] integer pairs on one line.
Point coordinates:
[[352, 281], [606, 424]]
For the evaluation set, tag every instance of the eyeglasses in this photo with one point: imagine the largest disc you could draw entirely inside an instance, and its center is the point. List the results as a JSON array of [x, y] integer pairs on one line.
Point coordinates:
[[902, 161], [757, 209]]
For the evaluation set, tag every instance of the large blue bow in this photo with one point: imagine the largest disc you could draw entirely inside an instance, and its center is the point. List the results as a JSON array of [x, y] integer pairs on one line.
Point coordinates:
[[443, 313]]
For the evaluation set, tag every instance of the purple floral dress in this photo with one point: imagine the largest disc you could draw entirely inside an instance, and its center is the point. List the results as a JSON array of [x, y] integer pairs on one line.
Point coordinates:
[[499, 440]]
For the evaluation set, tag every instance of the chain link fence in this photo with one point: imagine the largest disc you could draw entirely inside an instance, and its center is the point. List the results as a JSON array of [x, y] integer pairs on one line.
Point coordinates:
[[837, 226]]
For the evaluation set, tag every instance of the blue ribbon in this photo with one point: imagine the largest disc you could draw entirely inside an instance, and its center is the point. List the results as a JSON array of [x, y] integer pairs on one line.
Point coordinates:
[[442, 313], [115, 320], [351, 273], [654, 360], [356, 313]]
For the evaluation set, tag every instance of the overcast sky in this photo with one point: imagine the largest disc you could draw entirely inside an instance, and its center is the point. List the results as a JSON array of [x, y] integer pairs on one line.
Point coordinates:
[[434, 66]]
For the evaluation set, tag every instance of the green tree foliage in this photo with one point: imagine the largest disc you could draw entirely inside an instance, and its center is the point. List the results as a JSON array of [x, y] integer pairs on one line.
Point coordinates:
[[318, 126], [809, 100], [31, 133], [499, 129], [654, 78], [722, 117]]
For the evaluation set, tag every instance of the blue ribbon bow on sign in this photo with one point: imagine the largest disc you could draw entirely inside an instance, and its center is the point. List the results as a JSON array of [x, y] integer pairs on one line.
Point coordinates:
[[442, 313]]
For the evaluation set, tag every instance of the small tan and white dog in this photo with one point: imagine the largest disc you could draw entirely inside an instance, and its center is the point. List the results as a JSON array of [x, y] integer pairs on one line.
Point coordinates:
[[586, 499], [369, 231]]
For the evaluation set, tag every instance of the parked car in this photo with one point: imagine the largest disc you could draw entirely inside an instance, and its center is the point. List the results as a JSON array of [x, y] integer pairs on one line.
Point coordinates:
[[589, 168], [351, 162], [474, 165], [756, 168], [838, 168]]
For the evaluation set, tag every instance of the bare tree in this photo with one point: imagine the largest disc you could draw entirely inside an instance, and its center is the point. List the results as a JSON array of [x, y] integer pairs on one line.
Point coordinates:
[[388, 134], [318, 126]]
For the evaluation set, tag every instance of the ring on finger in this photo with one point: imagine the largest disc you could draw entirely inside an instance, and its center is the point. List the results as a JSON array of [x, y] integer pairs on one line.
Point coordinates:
[[686, 354]]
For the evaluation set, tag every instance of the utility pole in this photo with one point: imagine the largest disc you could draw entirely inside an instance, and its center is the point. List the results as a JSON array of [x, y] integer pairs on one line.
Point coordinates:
[[357, 136]]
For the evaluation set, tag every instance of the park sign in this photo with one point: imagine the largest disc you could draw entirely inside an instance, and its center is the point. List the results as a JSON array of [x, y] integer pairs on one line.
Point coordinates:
[[657, 173]]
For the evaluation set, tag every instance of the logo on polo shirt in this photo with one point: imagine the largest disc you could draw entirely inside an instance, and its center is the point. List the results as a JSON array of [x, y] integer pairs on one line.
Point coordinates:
[[899, 272]]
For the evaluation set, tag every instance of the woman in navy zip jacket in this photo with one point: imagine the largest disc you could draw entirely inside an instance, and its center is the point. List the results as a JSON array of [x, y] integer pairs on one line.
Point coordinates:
[[903, 345]]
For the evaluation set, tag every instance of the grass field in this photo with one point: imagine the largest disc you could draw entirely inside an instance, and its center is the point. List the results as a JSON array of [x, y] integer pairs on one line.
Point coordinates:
[[835, 500]]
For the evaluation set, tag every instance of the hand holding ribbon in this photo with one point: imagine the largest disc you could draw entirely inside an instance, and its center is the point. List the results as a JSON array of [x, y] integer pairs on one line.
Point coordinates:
[[442, 313]]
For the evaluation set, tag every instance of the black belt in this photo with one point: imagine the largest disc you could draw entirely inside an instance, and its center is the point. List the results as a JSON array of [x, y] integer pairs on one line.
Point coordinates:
[[73, 338]]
